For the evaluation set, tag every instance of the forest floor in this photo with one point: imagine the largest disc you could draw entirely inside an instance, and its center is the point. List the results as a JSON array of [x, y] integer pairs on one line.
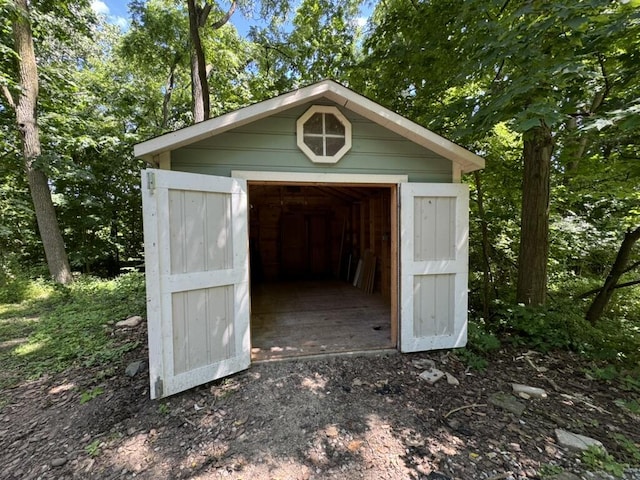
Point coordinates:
[[345, 417]]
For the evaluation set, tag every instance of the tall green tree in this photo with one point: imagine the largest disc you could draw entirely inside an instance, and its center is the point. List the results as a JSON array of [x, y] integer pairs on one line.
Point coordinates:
[[545, 70], [20, 87], [322, 42]]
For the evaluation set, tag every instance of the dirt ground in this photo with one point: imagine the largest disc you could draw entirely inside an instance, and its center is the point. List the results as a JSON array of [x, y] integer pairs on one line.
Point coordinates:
[[348, 417]]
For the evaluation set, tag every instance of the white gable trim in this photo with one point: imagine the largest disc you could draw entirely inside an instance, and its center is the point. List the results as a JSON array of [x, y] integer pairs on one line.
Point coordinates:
[[331, 90]]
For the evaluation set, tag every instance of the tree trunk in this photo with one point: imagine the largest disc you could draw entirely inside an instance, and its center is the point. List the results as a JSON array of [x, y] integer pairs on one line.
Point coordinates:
[[534, 229], [199, 85], [166, 101], [25, 109], [600, 302], [487, 276]]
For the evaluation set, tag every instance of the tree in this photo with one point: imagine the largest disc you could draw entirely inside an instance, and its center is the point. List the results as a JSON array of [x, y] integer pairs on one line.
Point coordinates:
[[620, 266], [24, 103], [536, 67], [198, 16], [323, 43], [158, 44]]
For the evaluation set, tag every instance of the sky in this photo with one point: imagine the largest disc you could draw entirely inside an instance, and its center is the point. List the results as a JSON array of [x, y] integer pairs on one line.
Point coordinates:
[[117, 12]]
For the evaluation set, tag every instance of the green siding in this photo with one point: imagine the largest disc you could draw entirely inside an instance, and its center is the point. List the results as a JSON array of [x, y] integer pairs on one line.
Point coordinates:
[[270, 145]]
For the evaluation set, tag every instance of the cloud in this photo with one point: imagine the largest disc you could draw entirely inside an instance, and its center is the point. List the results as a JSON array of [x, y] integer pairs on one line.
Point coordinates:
[[121, 22], [98, 6]]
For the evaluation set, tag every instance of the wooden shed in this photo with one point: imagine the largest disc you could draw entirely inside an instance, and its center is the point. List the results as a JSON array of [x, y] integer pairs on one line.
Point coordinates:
[[316, 221]]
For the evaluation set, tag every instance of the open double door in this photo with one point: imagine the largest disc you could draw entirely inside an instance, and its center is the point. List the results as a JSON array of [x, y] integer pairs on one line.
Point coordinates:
[[197, 273]]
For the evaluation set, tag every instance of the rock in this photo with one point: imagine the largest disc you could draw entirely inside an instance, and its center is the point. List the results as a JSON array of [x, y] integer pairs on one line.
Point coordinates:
[[437, 476], [432, 375], [576, 441], [130, 322], [451, 380], [331, 431], [135, 367], [507, 402], [424, 363], [530, 391], [58, 462]]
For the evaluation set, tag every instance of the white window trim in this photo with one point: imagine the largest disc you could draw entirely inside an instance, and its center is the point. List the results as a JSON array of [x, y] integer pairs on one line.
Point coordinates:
[[300, 134]]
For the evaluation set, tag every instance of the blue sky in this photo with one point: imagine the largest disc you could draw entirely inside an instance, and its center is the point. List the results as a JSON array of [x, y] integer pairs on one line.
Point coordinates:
[[117, 12]]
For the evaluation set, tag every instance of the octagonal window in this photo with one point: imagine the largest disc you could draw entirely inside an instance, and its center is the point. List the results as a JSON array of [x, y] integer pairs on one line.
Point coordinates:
[[324, 134]]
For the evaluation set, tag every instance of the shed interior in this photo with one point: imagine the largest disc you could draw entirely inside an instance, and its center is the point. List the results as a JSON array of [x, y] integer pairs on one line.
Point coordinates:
[[320, 258]]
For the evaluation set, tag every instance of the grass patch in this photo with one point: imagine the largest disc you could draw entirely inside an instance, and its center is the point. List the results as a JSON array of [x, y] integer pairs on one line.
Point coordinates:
[[58, 327]]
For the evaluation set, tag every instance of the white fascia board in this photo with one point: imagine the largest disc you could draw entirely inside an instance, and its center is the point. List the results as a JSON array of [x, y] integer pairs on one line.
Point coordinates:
[[237, 118], [384, 117], [333, 91]]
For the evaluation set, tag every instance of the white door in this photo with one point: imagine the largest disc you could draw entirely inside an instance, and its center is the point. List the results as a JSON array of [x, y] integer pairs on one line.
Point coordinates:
[[434, 231], [197, 271]]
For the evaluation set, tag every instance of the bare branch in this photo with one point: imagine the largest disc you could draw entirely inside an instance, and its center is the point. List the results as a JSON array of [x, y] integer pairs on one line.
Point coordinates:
[[8, 96], [203, 14], [227, 16], [620, 285], [632, 266], [504, 7]]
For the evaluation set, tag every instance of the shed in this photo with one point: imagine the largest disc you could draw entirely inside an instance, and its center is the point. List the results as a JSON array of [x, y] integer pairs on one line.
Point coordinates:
[[316, 221]]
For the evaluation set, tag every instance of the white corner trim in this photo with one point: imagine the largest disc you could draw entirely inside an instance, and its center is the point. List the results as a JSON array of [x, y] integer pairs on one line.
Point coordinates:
[[304, 177]]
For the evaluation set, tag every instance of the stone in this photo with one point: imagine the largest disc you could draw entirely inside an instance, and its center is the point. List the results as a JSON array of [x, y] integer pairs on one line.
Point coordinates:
[[58, 462], [432, 375], [530, 391], [451, 380], [130, 322], [135, 367], [424, 363], [331, 431], [507, 402], [437, 476], [576, 441]]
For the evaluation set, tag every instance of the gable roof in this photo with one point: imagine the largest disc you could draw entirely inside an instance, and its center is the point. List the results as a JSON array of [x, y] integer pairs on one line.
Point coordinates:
[[331, 90]]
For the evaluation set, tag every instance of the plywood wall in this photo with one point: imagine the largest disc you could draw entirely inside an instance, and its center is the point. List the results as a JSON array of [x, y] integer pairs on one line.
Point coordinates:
[[313, 232]]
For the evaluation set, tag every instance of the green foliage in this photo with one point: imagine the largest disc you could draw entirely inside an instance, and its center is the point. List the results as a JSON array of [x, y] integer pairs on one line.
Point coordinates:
[[550, 471], [631, 405], [480, 344], [561, 325], [598, 459], [89, 395], [93, 449], [70, 325], [472, 359], [163, 409], [630, 449]]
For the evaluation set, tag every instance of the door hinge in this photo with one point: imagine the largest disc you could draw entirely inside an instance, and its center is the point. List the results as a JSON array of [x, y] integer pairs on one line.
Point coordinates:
[[151, 181]]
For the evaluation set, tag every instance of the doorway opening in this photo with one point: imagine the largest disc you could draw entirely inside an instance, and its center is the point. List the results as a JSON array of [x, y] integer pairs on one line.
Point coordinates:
[[323, 268]]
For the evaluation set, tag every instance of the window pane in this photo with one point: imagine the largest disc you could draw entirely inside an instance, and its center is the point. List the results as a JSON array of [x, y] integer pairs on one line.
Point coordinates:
[[333, 125], [314, 124], [333, 145], [315, 144]]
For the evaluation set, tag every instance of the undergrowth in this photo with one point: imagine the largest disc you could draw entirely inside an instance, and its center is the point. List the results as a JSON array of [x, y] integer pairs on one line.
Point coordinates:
[[612, 345], [59, 326]]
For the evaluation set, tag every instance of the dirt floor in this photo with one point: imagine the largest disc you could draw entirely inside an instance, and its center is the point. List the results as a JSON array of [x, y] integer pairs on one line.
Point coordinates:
[[364, 416]]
